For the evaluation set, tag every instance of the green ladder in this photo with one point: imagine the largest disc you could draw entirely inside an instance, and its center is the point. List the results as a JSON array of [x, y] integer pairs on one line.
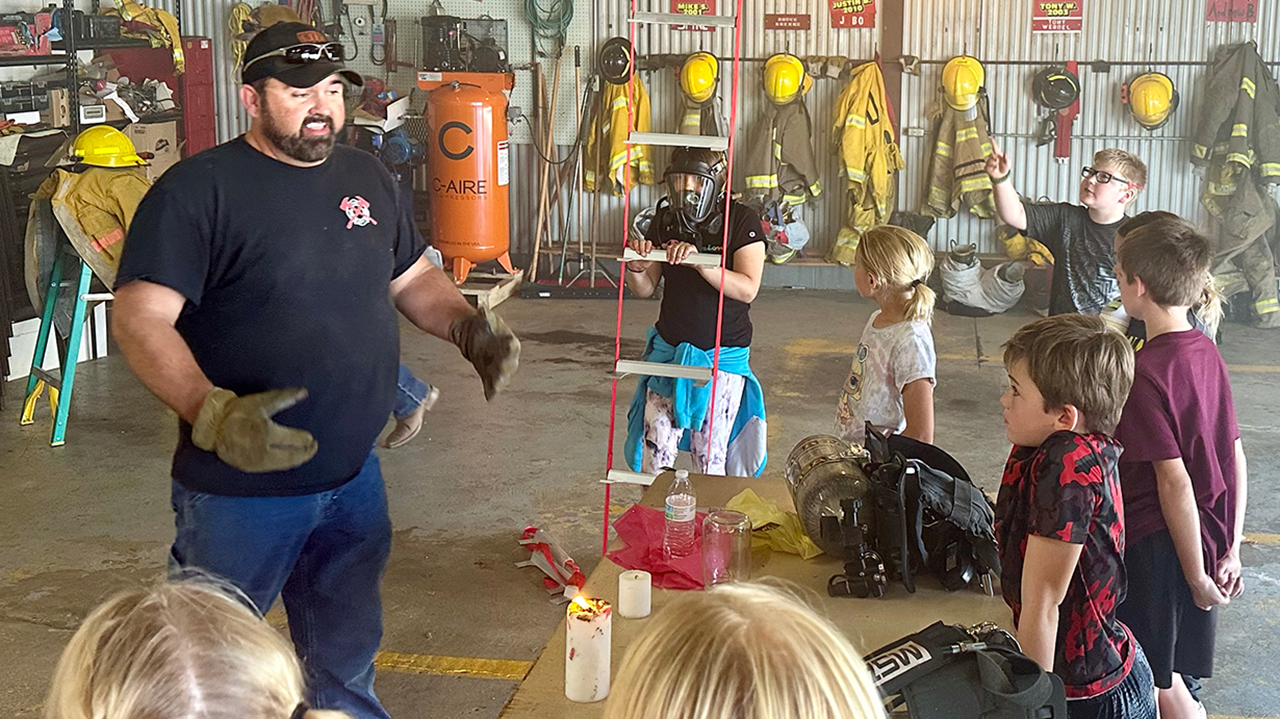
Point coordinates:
[[59, 381]]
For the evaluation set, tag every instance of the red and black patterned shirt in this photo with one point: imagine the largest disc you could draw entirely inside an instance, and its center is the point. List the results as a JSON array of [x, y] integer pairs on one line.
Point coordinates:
[[1068, 489]]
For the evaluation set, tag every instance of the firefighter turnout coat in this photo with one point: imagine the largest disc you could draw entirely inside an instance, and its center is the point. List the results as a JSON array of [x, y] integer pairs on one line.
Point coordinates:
[[957, 174], [606, 153], [869, 157], [779, 160], [1237, 138]]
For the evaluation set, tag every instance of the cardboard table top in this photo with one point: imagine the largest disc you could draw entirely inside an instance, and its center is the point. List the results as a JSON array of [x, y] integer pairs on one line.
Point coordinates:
[[869, 623]]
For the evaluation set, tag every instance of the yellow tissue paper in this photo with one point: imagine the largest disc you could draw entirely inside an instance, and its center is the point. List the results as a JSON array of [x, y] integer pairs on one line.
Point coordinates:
[[773, 528]]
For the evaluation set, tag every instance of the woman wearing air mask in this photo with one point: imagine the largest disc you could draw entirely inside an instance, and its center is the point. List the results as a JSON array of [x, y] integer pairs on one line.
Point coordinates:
[[726, 432]]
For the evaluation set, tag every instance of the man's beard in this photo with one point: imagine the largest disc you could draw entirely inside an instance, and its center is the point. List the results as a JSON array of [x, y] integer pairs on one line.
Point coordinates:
[[298, 145]]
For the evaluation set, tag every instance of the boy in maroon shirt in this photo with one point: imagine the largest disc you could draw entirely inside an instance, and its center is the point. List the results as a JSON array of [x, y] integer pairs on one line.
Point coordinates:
[[1060, 518], [1183, 472]]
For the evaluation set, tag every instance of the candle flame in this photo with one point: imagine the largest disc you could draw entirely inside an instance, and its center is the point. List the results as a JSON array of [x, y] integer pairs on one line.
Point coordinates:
[[581, 601]]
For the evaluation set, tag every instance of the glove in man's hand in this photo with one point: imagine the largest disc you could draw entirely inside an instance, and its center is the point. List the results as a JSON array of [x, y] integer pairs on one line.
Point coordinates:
[[240, 430], [487, 342]]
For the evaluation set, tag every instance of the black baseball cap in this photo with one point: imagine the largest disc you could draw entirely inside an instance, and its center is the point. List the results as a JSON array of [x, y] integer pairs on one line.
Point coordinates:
[[305, 74]]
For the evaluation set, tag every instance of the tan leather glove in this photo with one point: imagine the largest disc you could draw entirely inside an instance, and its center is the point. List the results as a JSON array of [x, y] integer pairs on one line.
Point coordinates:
[[487, 342], [241, 432]]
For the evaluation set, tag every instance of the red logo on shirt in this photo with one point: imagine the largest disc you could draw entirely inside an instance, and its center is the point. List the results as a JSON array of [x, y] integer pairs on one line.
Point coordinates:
[[357, 209]]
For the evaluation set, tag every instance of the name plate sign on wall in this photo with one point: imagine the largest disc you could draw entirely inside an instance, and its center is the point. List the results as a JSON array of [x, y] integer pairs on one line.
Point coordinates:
[[783, 21], [853, 13], [1057, 16], [1232, 11], [693, 8]]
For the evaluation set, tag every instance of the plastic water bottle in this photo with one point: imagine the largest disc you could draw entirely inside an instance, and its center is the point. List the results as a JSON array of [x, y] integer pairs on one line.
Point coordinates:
[[682, 507]]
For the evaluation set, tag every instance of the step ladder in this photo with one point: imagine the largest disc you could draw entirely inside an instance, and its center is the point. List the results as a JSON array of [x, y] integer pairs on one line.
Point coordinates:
[[625, 367], [60, 381]]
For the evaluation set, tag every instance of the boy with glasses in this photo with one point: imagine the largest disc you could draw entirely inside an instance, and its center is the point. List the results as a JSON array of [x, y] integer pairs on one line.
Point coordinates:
[[1079, 236]]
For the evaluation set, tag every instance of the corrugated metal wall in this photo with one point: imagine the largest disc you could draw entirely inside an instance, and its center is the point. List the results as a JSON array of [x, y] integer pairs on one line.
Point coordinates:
[[1134, 35], [209, 18], [823, 216], [1146, 34]]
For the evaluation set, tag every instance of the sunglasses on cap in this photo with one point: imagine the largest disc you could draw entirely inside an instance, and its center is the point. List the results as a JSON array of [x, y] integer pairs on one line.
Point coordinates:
[[1104, 177], [304, 53]]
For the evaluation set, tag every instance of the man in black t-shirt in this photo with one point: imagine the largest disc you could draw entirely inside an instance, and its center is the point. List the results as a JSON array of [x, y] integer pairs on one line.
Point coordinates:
[[255, 284], [1079, 236]]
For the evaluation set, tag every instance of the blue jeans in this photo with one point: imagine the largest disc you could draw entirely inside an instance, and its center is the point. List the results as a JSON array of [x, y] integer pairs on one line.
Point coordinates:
[[410, 392], [325, 553]]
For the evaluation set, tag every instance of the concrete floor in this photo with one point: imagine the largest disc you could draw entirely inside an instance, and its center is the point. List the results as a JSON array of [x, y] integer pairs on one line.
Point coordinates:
[[80, 522]]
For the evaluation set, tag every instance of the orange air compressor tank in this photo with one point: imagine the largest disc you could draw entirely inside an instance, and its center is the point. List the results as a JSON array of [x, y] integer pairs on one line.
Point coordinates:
[[468, 171]]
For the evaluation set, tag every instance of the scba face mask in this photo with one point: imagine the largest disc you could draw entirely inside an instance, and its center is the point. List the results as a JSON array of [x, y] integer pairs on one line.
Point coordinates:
[[692, 196]]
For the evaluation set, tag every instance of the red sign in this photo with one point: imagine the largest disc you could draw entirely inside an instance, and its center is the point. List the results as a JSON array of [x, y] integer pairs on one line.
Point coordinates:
[[853, 13], [1057, 16], [782, 21], [1232, 11], [693, 7]]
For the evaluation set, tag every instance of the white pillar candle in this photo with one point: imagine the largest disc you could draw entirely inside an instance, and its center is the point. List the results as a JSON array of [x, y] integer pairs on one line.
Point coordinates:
[[588, 635], [634, 594]]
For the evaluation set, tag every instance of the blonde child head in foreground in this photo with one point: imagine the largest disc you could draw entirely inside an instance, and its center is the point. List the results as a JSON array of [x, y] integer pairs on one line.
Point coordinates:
[[742, 651], [187, 650]]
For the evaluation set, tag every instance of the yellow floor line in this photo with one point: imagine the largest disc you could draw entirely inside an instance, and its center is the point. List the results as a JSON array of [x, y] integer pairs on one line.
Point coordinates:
[[1261, 538], [1245, 368], [452, 666]]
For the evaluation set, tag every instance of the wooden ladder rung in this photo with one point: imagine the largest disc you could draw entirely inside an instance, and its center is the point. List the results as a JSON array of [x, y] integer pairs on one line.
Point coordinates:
[[696, 259], [622, 476], [672, 139], [677, 18], [663, 369]]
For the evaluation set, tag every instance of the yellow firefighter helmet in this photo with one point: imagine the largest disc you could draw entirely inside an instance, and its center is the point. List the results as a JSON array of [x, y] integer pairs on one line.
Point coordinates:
[[785, 78], [1152, 99], [105, 146], [962, 78], [698, 76]]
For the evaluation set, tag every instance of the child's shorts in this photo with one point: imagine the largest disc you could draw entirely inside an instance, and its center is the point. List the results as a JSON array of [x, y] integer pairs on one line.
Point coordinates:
[[1130, 699], [1176, 635]]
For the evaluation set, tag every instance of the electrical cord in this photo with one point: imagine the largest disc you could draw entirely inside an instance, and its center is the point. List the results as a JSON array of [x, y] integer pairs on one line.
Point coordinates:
[[550, 19], [373, 47], [355, 44], [587, 97], [533, 136]]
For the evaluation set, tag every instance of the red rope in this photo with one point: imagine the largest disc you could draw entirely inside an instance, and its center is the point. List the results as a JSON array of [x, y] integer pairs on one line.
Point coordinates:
[[626, 227], [724, 245]]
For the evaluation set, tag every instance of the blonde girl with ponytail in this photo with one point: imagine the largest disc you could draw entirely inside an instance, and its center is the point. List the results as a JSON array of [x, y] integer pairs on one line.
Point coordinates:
[[183, 650], [891, 380]]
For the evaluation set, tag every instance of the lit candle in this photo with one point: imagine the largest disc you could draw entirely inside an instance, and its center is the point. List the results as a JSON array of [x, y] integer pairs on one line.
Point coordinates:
[[634, 594], [588, 635]]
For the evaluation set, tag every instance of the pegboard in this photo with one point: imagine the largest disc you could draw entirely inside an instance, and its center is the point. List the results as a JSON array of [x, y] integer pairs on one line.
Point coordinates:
[[407, 14]]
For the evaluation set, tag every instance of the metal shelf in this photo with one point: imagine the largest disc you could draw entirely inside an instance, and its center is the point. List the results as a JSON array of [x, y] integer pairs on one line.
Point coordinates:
[[32, 60], [82, 44]]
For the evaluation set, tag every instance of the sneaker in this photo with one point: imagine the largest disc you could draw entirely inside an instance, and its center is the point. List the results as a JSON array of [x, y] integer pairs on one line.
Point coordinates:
[[408, 427]]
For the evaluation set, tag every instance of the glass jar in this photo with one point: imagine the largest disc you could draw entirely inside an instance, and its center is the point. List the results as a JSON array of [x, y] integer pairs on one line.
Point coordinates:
[[726, 547]]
